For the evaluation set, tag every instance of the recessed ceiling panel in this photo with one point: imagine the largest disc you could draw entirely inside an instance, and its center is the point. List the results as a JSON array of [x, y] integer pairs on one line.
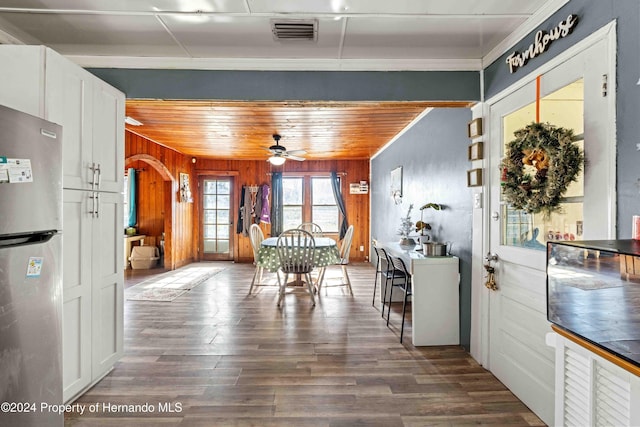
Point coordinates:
[[454, 7], [443, 38], [250, 37], [227, 6], [98, 34]]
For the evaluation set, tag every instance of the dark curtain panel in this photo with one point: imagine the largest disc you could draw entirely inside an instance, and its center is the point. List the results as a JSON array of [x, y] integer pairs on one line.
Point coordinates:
[[276, 204], [337, 194]]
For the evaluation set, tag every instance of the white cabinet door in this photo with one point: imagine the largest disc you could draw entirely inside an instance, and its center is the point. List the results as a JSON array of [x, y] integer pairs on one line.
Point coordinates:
[[108, 136], [76, 244], [69, 98], [22, 78], [107, 284]]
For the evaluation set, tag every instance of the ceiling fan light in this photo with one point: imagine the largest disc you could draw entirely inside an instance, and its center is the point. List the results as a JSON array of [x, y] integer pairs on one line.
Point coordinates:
[[276, 160]]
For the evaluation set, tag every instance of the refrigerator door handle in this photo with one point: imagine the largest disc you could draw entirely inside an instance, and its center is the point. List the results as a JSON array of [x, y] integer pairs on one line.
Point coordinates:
[[97, 195], [26, 239]]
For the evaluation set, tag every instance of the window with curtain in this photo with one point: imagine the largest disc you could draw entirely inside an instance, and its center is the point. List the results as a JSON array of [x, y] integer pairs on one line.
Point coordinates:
[[310, 199]]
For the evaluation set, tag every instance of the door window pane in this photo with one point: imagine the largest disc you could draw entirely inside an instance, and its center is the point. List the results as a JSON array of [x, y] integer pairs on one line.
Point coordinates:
[[563, 108], [216, 216]]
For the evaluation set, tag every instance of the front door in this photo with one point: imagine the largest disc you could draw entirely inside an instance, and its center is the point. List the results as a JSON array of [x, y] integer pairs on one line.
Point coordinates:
[[572, 96], [216, 219]]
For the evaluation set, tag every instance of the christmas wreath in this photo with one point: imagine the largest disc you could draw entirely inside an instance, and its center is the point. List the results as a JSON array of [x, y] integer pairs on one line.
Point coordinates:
[[539, 165]]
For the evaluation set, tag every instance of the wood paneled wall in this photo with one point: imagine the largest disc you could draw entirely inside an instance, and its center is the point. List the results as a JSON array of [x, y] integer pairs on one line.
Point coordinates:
[[255, 172], [159, 208]]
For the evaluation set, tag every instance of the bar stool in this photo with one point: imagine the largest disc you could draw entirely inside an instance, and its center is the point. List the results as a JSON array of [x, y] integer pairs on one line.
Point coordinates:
[[390, 273], [399, 272], [378, 271]]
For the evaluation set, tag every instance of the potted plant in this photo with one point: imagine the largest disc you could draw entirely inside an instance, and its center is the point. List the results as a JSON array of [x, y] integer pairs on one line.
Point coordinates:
[[421, 226]]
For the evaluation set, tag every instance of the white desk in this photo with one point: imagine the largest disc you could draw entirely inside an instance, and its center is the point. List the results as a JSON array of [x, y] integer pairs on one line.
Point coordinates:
[[128, 241], [435, 306]]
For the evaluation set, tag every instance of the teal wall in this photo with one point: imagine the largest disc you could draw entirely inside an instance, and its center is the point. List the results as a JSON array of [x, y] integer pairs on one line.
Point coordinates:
[[295, 85], [433, 156], [594, 14]]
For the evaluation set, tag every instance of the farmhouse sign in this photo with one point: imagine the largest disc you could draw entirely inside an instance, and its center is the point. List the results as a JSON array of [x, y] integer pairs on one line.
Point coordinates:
[[541, 43]]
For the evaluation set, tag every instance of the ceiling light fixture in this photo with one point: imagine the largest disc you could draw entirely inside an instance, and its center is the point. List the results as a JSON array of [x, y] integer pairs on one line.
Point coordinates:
[[276, 160], [131, 121]]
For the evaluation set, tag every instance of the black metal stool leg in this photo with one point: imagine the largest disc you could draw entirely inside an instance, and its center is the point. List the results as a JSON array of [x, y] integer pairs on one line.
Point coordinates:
[[375, 283], [404, 306], [390, 299]]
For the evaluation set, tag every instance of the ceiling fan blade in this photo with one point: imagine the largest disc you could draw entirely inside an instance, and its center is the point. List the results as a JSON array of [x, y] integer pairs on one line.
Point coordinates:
[[297, 152], [289, 156]]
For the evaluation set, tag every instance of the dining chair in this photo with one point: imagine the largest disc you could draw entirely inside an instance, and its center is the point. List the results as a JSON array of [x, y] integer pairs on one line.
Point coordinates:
[[256, 236], [404, 285], [313, 228], [345, 249], [296, 254]]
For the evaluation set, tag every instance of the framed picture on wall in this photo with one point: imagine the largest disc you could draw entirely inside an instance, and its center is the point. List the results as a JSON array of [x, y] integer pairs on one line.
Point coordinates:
[[185, 189], [396, 185], [474, 127], [474, 178], [475, 151]]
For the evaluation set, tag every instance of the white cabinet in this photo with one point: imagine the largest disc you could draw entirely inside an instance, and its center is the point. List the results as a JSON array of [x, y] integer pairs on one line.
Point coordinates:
[[93, 287], [435, 307], [39, 81], [435, 299], [591, 390]]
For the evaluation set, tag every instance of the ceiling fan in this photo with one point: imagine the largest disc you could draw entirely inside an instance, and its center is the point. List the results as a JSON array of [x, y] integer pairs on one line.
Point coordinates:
[[279, 153]]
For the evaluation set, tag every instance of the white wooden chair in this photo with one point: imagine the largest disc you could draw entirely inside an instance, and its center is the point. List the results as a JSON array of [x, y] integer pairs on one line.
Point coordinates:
[[296, 254], [345, 249], [313, 228], [256, 237]]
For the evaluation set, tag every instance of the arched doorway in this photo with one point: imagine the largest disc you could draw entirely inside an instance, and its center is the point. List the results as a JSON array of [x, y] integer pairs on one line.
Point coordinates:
[[166, 200]]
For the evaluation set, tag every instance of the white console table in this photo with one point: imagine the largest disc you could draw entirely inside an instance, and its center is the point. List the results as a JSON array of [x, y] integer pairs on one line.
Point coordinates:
[[435, 306]]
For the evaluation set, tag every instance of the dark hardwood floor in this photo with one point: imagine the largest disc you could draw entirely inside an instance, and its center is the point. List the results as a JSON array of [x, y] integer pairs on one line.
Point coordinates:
[[218, 357]]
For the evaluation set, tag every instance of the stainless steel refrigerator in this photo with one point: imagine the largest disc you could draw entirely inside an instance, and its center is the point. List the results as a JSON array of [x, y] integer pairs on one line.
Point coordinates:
[[30, 270]]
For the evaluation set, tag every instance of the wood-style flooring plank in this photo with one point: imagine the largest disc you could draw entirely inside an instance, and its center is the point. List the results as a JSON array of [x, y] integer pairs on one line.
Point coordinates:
[[216, 356]]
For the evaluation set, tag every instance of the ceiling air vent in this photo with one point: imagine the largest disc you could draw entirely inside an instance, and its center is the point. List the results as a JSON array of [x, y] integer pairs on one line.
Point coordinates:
[[295, 29]]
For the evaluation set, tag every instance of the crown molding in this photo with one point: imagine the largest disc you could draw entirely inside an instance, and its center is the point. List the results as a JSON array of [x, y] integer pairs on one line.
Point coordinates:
[[276, 64], [533, 22]]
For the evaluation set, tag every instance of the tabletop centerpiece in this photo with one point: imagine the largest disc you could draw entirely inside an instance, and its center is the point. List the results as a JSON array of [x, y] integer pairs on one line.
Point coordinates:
[[421, 226], [406, 227]]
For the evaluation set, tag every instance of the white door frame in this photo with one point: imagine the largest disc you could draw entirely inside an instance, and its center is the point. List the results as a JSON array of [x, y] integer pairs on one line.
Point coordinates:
[[480, 305]]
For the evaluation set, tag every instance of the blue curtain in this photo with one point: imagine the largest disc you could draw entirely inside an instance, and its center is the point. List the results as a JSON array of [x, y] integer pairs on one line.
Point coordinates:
[[132, 198], [337, 194], [277, 202]]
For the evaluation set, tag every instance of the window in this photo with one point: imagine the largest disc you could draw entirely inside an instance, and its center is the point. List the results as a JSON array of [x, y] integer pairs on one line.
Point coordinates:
[[292, 201], [324, 210], [564, 107], [309, 199]]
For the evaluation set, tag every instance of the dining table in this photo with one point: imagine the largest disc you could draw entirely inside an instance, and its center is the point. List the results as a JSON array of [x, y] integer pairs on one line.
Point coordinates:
[[325, 254]]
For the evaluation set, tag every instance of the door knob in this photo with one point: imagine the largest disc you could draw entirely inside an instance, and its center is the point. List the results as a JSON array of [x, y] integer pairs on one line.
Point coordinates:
[[495, 216], [491, 257]]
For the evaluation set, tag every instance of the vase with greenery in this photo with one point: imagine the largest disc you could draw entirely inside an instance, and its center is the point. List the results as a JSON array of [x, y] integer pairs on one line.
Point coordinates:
[[421, 226], [406, 227]]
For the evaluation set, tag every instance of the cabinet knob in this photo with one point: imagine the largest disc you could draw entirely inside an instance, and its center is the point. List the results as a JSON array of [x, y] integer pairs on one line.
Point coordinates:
[[495, 216]]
